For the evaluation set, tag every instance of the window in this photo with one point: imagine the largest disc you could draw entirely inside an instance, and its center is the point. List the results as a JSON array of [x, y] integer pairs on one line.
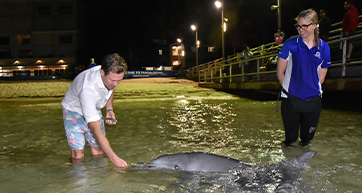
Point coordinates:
[[4, 41], [66, 39], [5, 53], [211, 49], [23, 39], [175, 63], [176, 50], [24, 53], [65, 9], [193, 49], [44, 10]]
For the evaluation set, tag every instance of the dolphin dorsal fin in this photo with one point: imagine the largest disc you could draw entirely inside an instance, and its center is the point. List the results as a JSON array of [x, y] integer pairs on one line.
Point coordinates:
[[305, 157]]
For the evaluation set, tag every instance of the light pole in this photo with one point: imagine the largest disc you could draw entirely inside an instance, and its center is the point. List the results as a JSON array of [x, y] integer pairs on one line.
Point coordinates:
[[219, 4], [274, 7], [197, 44]]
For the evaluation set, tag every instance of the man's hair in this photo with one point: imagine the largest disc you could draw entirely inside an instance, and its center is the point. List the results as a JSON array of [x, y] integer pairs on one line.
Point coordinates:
[[350, 2], [113, 63]]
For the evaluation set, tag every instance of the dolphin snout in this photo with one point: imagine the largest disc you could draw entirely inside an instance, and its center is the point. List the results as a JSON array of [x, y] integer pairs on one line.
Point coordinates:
[[142, 165]]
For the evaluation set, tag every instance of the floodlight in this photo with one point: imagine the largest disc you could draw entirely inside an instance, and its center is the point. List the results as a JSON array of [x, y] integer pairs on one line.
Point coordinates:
[[274, 7]]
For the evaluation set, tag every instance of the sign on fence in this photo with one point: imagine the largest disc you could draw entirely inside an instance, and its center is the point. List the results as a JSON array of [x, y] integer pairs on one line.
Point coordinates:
[[147, 73]]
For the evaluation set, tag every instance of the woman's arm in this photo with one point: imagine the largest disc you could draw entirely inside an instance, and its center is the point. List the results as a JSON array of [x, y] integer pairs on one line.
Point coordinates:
[[322, 74], [282, 66]]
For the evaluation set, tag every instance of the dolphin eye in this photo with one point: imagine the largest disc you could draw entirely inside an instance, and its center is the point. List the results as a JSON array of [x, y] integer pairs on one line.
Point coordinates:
[[176, 167]]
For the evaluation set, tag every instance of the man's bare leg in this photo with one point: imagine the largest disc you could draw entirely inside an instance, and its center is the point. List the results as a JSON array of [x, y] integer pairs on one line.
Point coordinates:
[[350, 48], [77, 156], [96, 151]]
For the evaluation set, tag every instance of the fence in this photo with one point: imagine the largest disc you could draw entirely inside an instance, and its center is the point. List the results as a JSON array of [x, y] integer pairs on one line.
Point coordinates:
[[260, 63]]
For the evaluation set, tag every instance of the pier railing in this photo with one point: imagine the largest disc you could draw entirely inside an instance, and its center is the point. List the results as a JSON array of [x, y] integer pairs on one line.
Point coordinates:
[[260, 63]]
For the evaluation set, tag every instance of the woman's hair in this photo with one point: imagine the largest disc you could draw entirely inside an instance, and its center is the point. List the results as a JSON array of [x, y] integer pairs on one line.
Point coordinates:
[[113, 63], [311, 16]]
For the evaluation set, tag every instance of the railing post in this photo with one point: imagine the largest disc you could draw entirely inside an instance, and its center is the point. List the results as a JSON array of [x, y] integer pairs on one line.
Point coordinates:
[[220, 72], [262, 64], [257, 69], [198, 72], [341, 42], [344, 58], [207, 72], [243, 71], [212, 73], [230, 73]]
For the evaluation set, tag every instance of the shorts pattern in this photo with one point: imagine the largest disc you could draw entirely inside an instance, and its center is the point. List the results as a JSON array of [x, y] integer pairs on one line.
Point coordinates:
[[77, 130]]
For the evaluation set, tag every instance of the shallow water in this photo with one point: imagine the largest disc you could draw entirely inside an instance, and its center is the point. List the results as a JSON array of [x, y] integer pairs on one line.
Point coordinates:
[[35, 157]]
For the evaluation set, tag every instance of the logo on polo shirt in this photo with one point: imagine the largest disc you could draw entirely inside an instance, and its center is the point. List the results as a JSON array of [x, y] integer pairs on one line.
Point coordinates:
[[318, 55]]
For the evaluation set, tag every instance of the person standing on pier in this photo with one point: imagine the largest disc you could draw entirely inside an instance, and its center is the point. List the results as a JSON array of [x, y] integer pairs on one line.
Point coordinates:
[[350, 24], [325, 24], [92, 63], [302, 66], [91, 91]]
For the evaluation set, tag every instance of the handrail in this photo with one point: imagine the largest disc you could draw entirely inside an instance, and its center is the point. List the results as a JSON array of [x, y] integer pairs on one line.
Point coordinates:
[[339, 23], [237, 68]]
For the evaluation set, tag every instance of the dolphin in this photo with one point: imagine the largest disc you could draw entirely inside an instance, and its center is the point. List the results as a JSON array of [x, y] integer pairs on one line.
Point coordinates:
[[205, 162], [193, 162], [233, 175]]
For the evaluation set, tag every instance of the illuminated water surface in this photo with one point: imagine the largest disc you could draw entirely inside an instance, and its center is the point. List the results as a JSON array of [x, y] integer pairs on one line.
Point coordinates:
[[34, 155]]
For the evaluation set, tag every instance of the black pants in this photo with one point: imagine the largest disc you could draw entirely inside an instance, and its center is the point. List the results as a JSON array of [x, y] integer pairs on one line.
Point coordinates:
[[294, 121]]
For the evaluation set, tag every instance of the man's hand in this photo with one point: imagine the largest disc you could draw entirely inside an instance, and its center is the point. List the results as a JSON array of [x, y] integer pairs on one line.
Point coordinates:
[[119, 162], [111, 118]]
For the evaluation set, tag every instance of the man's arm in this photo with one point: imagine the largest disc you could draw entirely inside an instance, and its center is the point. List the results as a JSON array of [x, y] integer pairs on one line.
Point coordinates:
[[104, 144], [282, 66], [110, 114], [109, 104]]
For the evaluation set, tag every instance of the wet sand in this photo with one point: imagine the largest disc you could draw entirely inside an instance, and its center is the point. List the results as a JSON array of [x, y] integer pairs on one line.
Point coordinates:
[[128, 88]]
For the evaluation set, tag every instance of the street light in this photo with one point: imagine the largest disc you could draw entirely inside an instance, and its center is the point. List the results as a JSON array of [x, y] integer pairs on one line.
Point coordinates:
[[274, 7], [197, 45], [219, 4]]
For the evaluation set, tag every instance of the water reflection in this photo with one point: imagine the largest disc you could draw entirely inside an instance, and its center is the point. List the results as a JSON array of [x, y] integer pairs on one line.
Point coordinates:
[[34, 152], [201, 124], [218, 127]]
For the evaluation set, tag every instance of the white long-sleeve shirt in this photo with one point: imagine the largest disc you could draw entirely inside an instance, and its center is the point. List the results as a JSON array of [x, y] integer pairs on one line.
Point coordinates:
[[87, 95]]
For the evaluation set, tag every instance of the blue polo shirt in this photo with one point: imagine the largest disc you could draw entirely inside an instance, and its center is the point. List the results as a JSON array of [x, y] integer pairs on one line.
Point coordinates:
[[301, 75]]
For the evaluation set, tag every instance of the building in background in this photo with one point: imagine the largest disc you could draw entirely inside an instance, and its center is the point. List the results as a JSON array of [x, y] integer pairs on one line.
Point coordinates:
[[37, 37], [177, 56]]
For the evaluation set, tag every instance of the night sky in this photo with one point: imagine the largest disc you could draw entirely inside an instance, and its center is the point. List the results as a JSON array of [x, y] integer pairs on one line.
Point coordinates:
[[129, 27]]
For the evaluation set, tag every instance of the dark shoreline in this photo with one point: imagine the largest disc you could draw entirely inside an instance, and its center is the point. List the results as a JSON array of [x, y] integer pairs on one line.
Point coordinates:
[[332, 100]]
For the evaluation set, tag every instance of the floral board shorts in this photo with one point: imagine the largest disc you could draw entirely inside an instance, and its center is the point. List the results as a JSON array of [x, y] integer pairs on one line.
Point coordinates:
[[77, 130]]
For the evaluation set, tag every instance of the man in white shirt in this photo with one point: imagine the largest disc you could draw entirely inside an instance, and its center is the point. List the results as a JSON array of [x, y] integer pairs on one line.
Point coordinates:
[[91, 91]]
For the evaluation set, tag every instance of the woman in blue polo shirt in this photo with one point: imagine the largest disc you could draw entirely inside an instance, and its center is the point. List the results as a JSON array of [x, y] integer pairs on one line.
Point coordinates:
[[302, 66]]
